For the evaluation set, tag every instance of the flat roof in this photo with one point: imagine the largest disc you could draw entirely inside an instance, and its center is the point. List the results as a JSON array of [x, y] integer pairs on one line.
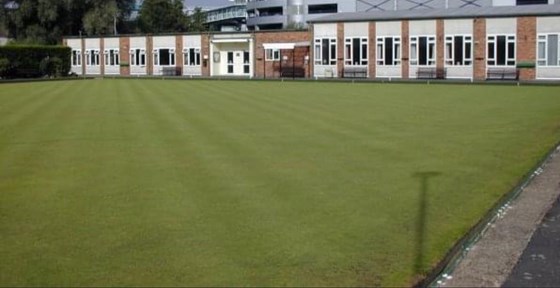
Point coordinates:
[[449, 13]]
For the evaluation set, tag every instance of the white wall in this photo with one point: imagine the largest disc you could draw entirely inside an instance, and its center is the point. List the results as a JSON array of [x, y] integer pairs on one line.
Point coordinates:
[[459, 27], [112, 43], [358, 29], [324, 31], [391, 28], [95, 44], [76, 44], [138, 43], [501, 26], [548, 25], [192, 41], [421, 28]]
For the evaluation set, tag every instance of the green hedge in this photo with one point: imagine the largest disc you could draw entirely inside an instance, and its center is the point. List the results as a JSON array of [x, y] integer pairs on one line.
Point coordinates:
[[34, 61]]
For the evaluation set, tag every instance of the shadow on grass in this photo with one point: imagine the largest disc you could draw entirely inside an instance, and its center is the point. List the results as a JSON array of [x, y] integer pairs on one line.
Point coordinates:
[[424, 178]]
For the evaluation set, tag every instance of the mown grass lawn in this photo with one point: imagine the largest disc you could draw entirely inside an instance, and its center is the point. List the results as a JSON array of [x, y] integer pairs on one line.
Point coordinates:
[[218, 183]]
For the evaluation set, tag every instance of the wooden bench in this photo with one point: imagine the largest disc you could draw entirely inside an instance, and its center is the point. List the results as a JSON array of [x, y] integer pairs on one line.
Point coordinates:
[[294, 72], [431, 73], [354, 72], [169, 71], [502, 74]]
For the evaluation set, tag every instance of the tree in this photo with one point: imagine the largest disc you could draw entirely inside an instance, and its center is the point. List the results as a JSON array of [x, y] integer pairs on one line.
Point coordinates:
[[101, 18], [46, 21], [197, 21], [158, 16]]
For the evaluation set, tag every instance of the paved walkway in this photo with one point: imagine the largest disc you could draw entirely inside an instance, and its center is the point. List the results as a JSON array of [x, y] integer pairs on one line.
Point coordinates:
[[539, 266], [520, 243]]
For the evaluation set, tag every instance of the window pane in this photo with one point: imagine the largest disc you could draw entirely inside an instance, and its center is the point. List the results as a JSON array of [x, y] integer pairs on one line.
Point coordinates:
[[468, 50], [388, 51], [422, 51], [458, 59], [552, 50], [542, 50], [501, 50], [356, 51]]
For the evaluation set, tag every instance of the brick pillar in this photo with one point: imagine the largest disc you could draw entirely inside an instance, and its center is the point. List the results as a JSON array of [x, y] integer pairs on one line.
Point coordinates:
[[405, 47], [102, 56], [205, 53], [479, 38], [83, 56], [526, 45], [150, 54], [440, 44], [124, 55], [179, 54], [340, 48], [311, 63], [372, 58]]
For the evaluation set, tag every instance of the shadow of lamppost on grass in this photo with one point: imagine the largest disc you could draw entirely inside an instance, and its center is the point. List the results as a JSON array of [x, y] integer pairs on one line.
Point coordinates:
[[421, 222]]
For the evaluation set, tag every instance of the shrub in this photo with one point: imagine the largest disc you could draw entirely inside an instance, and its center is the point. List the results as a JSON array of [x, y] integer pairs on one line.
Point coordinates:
[[36, 61], [5, 68]]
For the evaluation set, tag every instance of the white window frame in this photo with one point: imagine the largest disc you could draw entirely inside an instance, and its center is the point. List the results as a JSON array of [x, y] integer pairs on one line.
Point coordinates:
[[510, 60], [112, 57], [92, 58], [141, 57], [380, 50], [187, 53], [272, 54], [449, 46], [77, 57], [543, 39], [415, 50], [349, 51], [331, 59], [156, 53]]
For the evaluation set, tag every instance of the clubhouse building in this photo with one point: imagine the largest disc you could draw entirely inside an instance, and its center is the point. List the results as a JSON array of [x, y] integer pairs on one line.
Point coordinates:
[[471, 43]]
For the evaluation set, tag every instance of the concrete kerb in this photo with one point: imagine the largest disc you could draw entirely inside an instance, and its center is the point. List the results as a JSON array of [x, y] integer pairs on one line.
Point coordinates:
[[454, 257]]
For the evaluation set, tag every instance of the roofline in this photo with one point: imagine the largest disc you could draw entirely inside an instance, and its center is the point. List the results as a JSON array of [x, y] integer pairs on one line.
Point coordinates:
[[376, 15], [185, 34]]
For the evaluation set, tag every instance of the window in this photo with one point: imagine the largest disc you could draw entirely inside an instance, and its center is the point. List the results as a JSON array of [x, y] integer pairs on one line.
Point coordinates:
[[92, 57], [501, 50], [164, 57], [458, 50], [322, 8], [356, 51], [272, 54], [112, 57], [388, 51], [325, 51], [138, 57], [423, 50], [76, 58], [531, 2], [548, 53], [191, 56]]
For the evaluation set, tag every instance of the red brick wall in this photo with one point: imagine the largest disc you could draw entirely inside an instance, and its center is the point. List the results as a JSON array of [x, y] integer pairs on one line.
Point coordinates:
[[372, 49], [340, 48], [405, 47], [526, 45], [205, 51], [479, 38], [102, 56], [272, 68], [149, 54], [83, 56], [179, 54], [124, 55], [311, 62], [440, 43]]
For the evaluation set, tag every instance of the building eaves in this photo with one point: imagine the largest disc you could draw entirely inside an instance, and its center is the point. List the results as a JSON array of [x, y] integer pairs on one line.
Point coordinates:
[[450, 13]]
